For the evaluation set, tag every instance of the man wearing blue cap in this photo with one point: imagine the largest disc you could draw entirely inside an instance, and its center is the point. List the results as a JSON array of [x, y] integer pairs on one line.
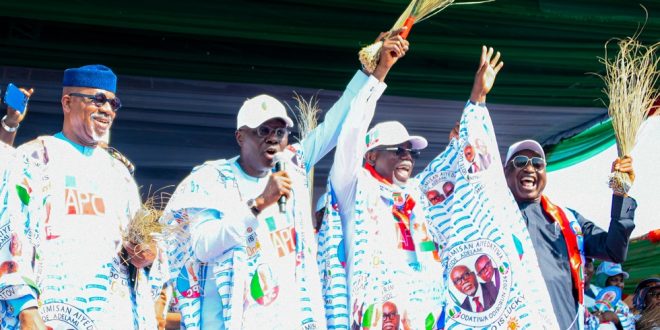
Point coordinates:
[[68, 202]]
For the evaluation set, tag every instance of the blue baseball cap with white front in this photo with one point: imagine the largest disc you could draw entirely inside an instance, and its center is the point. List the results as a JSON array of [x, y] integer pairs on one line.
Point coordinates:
[[611, 269]]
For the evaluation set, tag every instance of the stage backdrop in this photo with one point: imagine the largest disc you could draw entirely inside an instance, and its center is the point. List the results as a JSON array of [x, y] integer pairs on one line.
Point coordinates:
[[579, 167]]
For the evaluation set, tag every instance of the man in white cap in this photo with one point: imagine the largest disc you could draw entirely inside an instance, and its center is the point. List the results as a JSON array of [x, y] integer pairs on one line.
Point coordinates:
[[561, 237], [250, 262], [68, 201], [387, 251]]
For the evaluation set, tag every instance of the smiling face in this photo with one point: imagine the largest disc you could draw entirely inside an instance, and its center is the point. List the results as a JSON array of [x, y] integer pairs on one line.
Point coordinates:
[[435, 197], [484, 268], [469, 153], [391, 318], [258, 153], [390, 165], [84, 122], [526, 184], [448, 188], [588, 271], [616, 280], [464, 280]]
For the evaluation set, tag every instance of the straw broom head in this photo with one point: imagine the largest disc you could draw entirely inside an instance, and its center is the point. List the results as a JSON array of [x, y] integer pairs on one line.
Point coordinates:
[[650, 319], [417, 11], [306, 114], [145, 229], [630, 85]]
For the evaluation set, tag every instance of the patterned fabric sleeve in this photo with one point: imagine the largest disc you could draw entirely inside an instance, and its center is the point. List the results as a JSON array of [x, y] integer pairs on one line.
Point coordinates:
[[19, 224], [626, 318]]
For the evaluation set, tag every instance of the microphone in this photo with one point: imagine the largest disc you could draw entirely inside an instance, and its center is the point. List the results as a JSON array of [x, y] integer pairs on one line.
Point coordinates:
[[280, 165]]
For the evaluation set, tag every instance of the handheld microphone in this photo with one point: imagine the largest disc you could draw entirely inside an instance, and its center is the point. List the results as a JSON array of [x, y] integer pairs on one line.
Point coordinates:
[[280, 165]]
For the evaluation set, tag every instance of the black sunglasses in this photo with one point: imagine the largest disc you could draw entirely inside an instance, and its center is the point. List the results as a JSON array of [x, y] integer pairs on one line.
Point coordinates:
[[400, 151], [264, 131], [523, 161], [99, 100]]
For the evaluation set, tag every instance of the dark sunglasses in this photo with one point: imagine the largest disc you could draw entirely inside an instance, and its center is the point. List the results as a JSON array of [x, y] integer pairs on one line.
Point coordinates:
[[523, 161], [400, 151], [99, 100], [265, 131]]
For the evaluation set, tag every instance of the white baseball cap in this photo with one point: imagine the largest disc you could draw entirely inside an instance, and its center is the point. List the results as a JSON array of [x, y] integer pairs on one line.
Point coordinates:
[[524, 145], [392, 133], [259, 109]]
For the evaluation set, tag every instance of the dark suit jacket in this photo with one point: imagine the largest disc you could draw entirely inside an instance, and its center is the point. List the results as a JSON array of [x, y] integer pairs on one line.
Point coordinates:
[[492, 289], [488, 298]]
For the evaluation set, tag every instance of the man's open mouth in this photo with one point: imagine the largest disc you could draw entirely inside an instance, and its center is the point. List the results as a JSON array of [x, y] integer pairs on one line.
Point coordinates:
[[528, 182]]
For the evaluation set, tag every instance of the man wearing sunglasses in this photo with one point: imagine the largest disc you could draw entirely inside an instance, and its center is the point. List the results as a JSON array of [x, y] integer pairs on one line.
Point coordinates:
[[561, 237], [68, 202], [254, 257], [389, 251]]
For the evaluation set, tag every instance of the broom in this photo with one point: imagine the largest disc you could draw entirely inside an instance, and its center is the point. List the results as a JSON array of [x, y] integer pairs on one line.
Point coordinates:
[[144, 230], [630, 81], [306, 114], [417, 11]]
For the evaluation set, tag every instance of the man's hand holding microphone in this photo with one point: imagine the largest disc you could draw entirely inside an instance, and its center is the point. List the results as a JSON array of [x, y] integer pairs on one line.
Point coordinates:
[[278, 188]]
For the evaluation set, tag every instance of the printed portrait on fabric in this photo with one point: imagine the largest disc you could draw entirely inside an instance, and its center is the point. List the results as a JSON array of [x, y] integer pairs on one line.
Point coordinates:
[[479, 282], [475, 155], [439, 187]]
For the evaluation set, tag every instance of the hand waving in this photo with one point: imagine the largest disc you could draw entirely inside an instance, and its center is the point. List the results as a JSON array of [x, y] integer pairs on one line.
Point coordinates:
[[484, 80]]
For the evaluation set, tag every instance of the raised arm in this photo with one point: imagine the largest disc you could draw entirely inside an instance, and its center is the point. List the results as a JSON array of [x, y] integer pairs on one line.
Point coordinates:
[[324, 137], [612, 245], [12, 121], [351, 145], [484, 80]]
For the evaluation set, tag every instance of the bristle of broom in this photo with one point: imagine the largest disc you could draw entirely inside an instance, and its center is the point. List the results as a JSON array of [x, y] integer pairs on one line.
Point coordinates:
[[406, 13], [421, 10], [306, 114], [630, 86], [649, 320], [145, 227], [630, 81]]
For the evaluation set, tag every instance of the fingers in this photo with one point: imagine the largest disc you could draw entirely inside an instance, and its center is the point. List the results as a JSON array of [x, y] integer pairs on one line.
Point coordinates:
[[624, 164], [382, 36], [483, 59], [398, 31], [283, 183], [28, 92], [397, 45], [498, 67], [489, 54], [454, 131]]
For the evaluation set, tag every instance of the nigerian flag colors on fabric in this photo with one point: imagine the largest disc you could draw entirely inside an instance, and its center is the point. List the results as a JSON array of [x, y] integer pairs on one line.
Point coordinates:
[[492, 275]]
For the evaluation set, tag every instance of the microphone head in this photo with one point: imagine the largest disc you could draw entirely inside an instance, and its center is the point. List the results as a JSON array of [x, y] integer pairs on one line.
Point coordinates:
[[280, 161], [279, 157]]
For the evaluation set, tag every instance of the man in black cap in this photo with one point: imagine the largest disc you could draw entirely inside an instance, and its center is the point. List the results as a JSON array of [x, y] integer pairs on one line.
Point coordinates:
[[65, 215]]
